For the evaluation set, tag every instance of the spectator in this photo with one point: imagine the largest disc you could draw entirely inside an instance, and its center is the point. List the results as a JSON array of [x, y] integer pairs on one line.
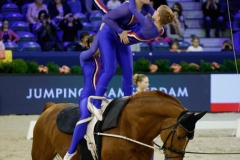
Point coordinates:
[[82, 45], [112, 4], [75, 6], [178, 7], [58, 10], [227, 46], [141, 81], [7, 35], [212, 17], [33, 10], [70, 26], [175, 47], [175, 30], [46, 33], [195, 47]]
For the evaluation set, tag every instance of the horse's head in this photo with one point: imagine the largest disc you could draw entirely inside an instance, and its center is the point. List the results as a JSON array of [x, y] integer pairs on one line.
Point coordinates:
[[176, 135]]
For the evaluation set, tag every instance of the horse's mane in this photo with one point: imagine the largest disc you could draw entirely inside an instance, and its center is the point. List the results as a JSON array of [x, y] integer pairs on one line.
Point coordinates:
[[157, 93]]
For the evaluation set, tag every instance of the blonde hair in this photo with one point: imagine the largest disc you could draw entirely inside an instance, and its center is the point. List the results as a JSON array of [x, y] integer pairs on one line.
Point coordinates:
[[166, 14], [138, 78]]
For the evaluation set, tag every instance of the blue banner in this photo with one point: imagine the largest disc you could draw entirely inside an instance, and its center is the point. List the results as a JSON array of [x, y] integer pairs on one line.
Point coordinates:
[[29, 94]]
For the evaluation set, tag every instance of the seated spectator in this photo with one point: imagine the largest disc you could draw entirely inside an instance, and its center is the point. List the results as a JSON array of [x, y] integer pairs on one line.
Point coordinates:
[[112, 4], [175, 47], [70, 26], [33, 10], [82, 45], [46, 33], [178, 7], [75, 6], [58, 10], [195, 47], [212, 17], [227, 46], [175, 30], [7, 35]]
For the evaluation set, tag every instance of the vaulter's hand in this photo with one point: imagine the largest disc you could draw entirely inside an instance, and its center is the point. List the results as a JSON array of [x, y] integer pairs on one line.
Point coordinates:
[[123, 36]]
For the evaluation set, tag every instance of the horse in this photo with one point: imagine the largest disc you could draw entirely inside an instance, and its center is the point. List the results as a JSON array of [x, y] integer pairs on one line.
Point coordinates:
[[146, 116]]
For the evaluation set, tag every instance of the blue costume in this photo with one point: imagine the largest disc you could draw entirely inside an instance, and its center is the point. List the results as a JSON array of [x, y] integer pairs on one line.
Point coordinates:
[[91, 71], [112, 50]]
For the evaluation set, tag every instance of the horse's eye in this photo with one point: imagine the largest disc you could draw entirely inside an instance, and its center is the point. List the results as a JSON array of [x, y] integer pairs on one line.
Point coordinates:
[[179, 137]]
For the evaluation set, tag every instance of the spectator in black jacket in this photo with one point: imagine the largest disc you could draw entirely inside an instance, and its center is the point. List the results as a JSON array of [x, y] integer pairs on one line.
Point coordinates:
[[212, 17], [45, 30], [70, 26], [58, 10]]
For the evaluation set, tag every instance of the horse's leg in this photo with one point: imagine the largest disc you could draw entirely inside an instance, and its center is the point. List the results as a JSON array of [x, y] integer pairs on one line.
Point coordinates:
[[41, 147]]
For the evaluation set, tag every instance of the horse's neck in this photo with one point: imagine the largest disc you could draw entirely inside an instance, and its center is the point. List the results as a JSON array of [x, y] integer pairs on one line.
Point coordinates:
[[146, 118]]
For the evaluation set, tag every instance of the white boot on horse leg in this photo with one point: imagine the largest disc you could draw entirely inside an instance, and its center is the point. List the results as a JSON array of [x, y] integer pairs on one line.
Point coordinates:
[[93, 109], [69, 156]]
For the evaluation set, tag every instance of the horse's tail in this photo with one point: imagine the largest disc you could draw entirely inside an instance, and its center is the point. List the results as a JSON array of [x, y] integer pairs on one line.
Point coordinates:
[[48, 105]]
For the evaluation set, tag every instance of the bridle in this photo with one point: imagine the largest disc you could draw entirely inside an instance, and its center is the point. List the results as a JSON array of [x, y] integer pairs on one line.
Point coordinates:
[[173, 131]]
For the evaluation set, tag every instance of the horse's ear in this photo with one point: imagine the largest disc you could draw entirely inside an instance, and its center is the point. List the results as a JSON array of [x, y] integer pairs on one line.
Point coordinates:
[[199, 116]]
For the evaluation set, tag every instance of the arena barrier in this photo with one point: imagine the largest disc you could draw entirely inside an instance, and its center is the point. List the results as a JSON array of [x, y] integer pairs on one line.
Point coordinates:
[[197, 92]]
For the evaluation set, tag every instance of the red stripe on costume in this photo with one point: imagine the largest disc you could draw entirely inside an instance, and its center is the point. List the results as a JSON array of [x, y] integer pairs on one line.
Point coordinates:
[[224, 107], [95, 76], [134, 35], [101, 6]]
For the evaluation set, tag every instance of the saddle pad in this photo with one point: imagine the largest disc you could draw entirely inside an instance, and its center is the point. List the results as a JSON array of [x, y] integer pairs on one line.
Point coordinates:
[[112, 113], [110, 120], [84, 152], [67, 119]]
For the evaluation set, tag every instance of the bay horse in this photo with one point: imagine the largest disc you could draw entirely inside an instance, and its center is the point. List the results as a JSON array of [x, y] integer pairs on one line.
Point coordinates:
[[146, 115]]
